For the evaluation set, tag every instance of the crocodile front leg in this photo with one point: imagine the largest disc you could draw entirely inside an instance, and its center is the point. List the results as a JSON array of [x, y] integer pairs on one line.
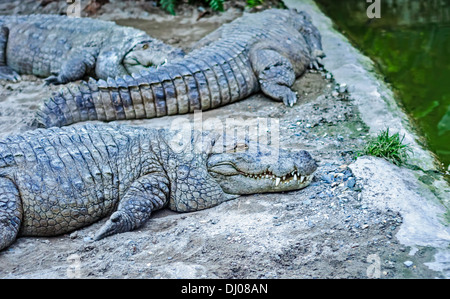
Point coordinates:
[[145, 195], [6, 72], [75, 68], [275, 74], [10, 212]]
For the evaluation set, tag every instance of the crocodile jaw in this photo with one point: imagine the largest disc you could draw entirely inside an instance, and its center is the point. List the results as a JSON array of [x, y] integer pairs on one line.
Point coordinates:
[[245, 183], [240, 173]]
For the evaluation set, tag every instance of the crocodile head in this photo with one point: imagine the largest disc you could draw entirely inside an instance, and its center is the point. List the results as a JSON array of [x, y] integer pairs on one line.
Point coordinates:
[[149, 53], [206, 177], [303, 23], [260, 172]]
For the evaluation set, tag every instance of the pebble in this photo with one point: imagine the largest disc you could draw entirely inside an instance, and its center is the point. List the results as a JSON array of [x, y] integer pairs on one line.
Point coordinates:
[[351, 182], [347, 174], [328, 178], [342, 88], [290, 207], [307, 202], [408, 263]]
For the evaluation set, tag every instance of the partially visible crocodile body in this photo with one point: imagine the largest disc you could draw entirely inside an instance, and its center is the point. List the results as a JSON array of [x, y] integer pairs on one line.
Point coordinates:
[[65, 49], [57, 180], [263, 51]]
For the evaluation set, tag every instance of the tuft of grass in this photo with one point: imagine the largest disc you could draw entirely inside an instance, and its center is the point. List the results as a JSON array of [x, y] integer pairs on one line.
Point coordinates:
[[169, 5], [389, 147], [253, 3], [216, 4]]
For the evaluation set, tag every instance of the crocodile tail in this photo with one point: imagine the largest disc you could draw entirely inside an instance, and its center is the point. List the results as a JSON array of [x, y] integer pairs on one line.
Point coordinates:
[[72, 104], [189, 85], [128, 97], [113, 99]]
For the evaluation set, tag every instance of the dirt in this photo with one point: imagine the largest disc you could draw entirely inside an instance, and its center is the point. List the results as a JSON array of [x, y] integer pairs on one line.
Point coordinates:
[[327, 230]]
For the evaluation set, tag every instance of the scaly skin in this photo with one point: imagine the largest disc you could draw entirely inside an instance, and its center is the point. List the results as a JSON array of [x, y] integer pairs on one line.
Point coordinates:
[[57, 180], [65, 49], [264, 51]]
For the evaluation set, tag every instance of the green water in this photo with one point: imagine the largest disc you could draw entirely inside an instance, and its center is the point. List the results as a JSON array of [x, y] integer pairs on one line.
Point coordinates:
[[411, 45]]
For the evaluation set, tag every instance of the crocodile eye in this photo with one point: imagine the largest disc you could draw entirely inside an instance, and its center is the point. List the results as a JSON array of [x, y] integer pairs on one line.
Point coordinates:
[[145, 46]]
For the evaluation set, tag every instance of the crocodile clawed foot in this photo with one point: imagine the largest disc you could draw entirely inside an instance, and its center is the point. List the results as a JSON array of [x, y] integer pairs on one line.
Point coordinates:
[[280, 92], [119, 222], [52, 80], [317, 62], [289, 98], [7, 73]]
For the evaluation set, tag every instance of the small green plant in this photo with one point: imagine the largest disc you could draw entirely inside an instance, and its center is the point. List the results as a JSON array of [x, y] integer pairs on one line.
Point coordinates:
[[253, 3], [389, 147], [169, 5], [216, 4]]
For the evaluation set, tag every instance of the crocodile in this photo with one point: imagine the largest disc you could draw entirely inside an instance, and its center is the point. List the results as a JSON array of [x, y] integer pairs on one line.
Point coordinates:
[[263, 51], [53, 181], [66, 49]]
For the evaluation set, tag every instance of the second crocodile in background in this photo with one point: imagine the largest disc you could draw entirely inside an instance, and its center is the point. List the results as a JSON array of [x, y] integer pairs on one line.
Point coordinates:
[[263, 51], [66, 49]]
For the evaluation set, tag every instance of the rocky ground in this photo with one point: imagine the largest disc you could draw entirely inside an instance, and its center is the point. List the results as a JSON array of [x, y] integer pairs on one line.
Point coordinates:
[[327, 230]]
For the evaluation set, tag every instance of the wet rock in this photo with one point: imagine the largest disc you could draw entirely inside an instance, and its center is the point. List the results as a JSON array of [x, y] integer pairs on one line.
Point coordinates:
[[351, 182], [347, 173], [328, 178], [343, 88], [335, 94]]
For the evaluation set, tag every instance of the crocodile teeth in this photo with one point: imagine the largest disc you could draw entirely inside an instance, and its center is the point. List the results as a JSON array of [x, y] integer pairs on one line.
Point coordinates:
[[295, 177], [302, 179], [277, 181]]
